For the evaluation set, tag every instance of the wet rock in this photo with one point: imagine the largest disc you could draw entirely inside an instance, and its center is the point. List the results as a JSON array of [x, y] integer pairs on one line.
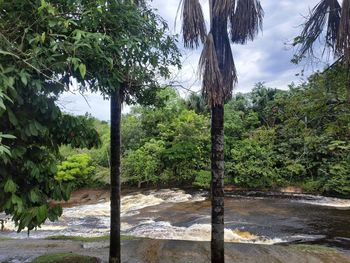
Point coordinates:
[[160, 251], [95, 245], [171, 251]]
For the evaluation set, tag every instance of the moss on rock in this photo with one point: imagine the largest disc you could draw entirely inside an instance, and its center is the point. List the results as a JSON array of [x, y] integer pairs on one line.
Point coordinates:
[[64, 258]]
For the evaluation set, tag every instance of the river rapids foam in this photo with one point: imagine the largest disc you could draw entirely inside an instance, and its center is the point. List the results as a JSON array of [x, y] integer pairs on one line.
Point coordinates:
[[94, 219]]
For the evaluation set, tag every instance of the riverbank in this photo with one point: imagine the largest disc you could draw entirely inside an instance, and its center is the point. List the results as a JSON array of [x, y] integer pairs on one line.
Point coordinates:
[[97, 195], [171, 251]]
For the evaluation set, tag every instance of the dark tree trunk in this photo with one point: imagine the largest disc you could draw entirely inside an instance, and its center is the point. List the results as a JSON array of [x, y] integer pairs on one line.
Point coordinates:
[[348, 84], [217, 185], [220, 37], [348, 90], [115, 247]]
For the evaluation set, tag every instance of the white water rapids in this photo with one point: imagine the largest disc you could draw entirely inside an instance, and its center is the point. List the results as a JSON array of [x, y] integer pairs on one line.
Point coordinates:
[[144, 213]]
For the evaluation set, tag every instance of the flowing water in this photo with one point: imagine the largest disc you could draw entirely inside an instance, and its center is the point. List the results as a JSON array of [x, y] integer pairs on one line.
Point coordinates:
[[176, 214]]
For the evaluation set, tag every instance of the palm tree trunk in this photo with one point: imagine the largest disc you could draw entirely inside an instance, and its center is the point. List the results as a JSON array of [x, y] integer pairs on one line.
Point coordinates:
[[219, 31], [217, 184], [348, 84], [115, 144]]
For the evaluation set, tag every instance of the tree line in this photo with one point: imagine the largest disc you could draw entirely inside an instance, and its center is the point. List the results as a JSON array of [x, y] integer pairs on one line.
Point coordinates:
[[273, 138]]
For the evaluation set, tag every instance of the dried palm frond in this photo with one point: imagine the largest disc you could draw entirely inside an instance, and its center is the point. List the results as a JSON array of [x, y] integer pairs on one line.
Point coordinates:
[[139, 2], [210, 72], [217, 84], [343, 40], [228, 69], [325, 12], [224, 7], [193, 23], [246, 20]]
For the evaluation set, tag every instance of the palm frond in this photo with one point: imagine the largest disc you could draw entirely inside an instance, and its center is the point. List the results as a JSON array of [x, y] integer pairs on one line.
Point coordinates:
[[325, 13], [228, 69], [224, 7], [246, 20], [217, 85], [193, 23], [343, 40], [139, 2], [210, 72]]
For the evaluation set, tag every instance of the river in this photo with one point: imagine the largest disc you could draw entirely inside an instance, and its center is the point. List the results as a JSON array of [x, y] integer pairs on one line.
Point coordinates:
[[177, 214]]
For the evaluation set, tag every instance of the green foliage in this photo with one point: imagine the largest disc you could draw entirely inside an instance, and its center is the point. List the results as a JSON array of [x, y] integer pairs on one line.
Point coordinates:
[[144, 164], [98, 157], [203, 179], [338, 179], [132, 132], [44, 46], [33, 155], [174, 143], [252, 164], [76, 169], [163, 144], [297, 137], [5, 150]]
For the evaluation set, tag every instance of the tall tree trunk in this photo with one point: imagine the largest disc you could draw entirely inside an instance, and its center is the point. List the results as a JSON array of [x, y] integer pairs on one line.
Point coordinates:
[[348, 90], [348, 83], [219, 31], [115, 247], [217, 185]]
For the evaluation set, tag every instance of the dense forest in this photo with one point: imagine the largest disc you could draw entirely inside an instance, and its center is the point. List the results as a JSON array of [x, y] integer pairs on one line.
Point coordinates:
[[273, 138]]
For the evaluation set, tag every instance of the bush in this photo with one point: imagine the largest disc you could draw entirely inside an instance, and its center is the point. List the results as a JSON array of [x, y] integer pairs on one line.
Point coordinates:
[[76, 169], [203, 179], [251, 164], [339, 178], [311, 186], [143, 165]]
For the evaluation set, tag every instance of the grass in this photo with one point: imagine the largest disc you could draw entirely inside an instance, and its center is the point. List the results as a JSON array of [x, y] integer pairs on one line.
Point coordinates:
[[89, 239], [5, 238], [315, 248], [64, 258]]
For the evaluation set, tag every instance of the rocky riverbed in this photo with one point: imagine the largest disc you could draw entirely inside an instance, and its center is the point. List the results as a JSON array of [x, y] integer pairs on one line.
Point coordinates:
[[173, 225], [171, 251]]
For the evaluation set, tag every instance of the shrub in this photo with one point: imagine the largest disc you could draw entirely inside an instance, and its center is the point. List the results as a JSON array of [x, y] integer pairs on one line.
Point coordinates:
[[203, 179], [76, 169]]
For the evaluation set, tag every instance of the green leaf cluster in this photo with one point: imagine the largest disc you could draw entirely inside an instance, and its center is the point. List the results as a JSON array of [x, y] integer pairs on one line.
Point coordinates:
[[76, 169], [295, 137], [171, 146]]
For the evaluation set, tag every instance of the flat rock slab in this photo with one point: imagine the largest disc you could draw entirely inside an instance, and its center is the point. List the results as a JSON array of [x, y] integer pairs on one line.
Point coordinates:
[[170, 251]]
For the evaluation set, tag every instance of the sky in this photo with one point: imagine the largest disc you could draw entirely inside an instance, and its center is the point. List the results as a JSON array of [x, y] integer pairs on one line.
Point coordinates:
[[266, 59]]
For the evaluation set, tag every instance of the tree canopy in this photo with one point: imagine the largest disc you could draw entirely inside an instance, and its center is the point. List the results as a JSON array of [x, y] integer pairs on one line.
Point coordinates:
[[46, 47]]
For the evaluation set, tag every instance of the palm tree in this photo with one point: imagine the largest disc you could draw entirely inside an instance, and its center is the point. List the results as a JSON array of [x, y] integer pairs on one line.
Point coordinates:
[[333, 18], [219, 75]]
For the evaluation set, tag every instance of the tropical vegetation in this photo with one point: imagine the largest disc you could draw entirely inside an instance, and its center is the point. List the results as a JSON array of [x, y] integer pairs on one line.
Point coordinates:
[[274, 138]]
